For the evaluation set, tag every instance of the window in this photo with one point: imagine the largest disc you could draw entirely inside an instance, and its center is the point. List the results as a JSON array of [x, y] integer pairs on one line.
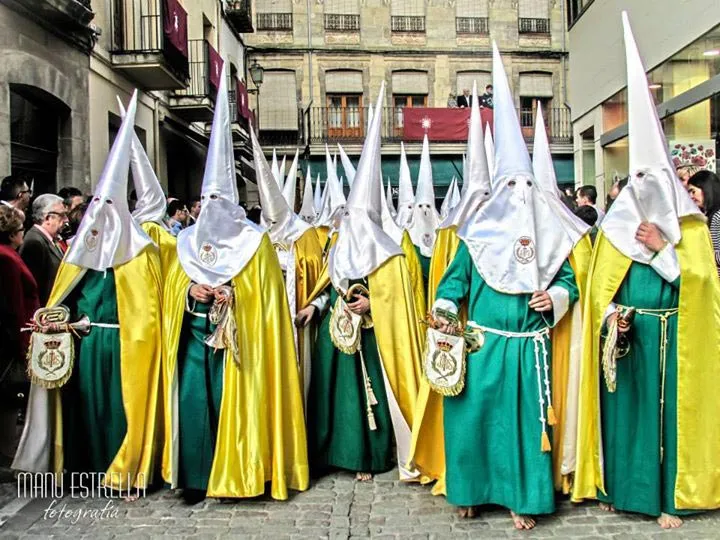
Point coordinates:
[[471, 17], [342, 15], [407, 16], [535, 90], [575, 8], [345, 114], [410, 89], [278, 104], [274, 15], [465, 81], [534, 17]]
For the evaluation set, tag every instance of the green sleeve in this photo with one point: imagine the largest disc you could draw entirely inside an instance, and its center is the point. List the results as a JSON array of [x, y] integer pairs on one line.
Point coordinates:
[[455, 283], [565, 278]]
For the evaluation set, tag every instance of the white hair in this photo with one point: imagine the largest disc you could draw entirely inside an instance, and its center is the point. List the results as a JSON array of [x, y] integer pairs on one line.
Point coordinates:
[[43, 205]]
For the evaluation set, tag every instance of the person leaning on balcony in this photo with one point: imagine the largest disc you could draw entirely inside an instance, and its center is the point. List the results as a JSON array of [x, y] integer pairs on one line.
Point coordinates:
[[452, 101], [486, 100], [464, 100]]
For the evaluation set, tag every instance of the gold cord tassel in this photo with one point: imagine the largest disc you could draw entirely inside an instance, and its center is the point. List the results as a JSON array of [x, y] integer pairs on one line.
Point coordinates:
[[545, 446], [370, 394], [371, 419], [552, 419]]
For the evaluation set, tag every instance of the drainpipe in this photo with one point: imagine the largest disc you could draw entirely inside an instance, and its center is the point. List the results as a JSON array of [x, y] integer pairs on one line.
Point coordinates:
[[310, 74], [564, 57]]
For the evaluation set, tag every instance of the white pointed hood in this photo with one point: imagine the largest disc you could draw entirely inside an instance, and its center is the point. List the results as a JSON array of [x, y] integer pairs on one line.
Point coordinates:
[[490, 152], [223, 240], [307, 210], [281, 173], [516, 241], [333, 202], [654, 193], [108, 235], [389, 199], [451, 200], [406, 198], [276, 169], [290, 186], [318, 196], [284, 226], [476, 181], [545, 176], [151, 202], [389, 225], [362, 246], [425, 220], [347, 166]]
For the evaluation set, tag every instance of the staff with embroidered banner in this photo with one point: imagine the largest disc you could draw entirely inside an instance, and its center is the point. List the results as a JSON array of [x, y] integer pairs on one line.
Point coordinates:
[[103, 415], [367, 356], [648, 434], [234, 415], [511, 268]]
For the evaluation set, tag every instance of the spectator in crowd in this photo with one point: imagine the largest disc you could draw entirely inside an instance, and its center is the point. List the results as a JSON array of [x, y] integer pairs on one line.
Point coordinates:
[[704, 189], [15, 191], [615, 190], [588, 214], [17, 306], [486, 100], [72, 197], [587, 196], [40, 251], [177, 216], [684, 173], [195, 207], [464, 100], [452, 101], [74, 218]]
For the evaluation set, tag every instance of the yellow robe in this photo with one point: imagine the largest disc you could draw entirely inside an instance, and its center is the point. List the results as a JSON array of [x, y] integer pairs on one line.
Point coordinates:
[[261, 429], [165, 241], [697, 485], [140, 356]]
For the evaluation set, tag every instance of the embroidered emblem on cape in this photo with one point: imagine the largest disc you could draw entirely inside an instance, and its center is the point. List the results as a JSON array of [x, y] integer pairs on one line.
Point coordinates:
[[445, 362], [208, 254], [91, 239], [427, 239], [524, 250], [345, 325]]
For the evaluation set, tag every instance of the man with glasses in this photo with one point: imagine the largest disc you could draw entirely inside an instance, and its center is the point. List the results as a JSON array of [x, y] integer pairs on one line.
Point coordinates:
[[14, 191], [40, 251]]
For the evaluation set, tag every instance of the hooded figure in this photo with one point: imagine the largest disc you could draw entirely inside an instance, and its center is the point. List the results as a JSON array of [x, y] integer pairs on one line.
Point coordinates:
[[290, 187], [451, 200], [333, 202], [512, 274], [567, 335], [318, 196], [298, 250], [307, 209], [104, 418], [648, 433], [389, 199], [348, 167], [234, 414], [490, 152], [275, 168], [151, 202], [406, 198], [366, 364]]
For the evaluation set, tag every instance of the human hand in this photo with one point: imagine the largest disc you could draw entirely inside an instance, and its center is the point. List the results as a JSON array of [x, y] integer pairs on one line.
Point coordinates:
[[360, 306], [540, 301], [304, 316], [202, 293], [650, 236], [622, 325]]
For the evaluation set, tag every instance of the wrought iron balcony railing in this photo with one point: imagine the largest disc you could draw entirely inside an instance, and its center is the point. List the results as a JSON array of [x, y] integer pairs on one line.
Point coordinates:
[[472, 25], [274, 21], [239, 12], [533, 26], [407, 24], [342, 23]]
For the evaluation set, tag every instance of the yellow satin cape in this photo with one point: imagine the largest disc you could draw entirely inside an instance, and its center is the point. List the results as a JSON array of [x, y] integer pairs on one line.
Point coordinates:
[[261, 429], [322, 233], [697, 485], [165, 241], [416, 277], [562, 341], [139, 294]]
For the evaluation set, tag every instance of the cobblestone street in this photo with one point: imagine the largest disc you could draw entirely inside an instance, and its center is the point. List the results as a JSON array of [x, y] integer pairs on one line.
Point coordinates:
[[335, 507]]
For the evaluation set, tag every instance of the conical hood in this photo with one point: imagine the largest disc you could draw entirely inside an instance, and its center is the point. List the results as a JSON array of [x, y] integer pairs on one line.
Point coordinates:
[[391, 228], [425, 220], [476, 181], [406, 198], [362, 245], [151, 201], [490, 152], [222, 241], [389, 198], [511, 155], [347, 166], [318, 197], [515, 239], [654, 194], [545, 177], [290, 186], [452, 198], [108, 236], [333, 201], [284, 227], [276, 169], [281, 173], [307, 210]]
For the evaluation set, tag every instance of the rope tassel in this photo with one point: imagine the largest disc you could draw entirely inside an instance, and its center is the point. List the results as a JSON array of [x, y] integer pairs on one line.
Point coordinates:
[[545, 446], [551, 418]]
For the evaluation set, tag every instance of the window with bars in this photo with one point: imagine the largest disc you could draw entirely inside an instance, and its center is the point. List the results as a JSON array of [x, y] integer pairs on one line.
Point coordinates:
[[407, 16], [472, 25], [279, 105], [274, 15], [342, 15], [471, 17], [534, 16]]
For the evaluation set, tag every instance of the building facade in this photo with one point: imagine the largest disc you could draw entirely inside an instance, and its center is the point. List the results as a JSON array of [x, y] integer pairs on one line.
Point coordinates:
[[680, 44], [67, 61], [324, 61]]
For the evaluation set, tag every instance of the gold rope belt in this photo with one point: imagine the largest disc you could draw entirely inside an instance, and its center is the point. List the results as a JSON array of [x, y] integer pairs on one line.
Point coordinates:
[[664, 315]]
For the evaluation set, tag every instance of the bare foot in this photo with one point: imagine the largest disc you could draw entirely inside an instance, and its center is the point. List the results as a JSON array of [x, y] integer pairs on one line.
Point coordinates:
[[132, 498], [668, 521], [605, 507], [466, 512], [363, 477], [522, 522]]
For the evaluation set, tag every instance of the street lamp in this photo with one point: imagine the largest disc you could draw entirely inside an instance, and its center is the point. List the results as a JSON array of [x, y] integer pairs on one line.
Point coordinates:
[[257, 74]]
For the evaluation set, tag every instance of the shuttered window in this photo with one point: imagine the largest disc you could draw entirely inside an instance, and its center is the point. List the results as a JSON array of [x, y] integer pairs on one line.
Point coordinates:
[[471, 8], [534, 9], [273, 6], [279, 105], [537, 85], [412, 8], [342, 7], [343, 82], [410, 82], [465, 81]]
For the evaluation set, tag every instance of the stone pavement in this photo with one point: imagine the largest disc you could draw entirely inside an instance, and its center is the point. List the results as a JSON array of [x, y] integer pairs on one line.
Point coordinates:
[[336, 507]]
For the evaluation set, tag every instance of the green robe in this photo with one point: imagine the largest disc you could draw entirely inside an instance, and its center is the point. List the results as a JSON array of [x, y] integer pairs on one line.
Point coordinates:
[[200, 376], [425, 265], [493, 432], [635, 478], [338, 432], [94, 424]]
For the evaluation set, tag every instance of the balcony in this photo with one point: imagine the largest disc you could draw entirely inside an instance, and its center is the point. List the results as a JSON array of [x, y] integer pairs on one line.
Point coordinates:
[[407, 24], [533, 26], [196, 102], [149, 42], [472, 25], [239, 12], [69, 19], [275, 21], [342, 23]]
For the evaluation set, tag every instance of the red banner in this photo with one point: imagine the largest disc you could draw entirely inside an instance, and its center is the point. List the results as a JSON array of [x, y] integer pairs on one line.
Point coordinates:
[[215, 63], [175, 26], [449, 125], [243, 103]]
